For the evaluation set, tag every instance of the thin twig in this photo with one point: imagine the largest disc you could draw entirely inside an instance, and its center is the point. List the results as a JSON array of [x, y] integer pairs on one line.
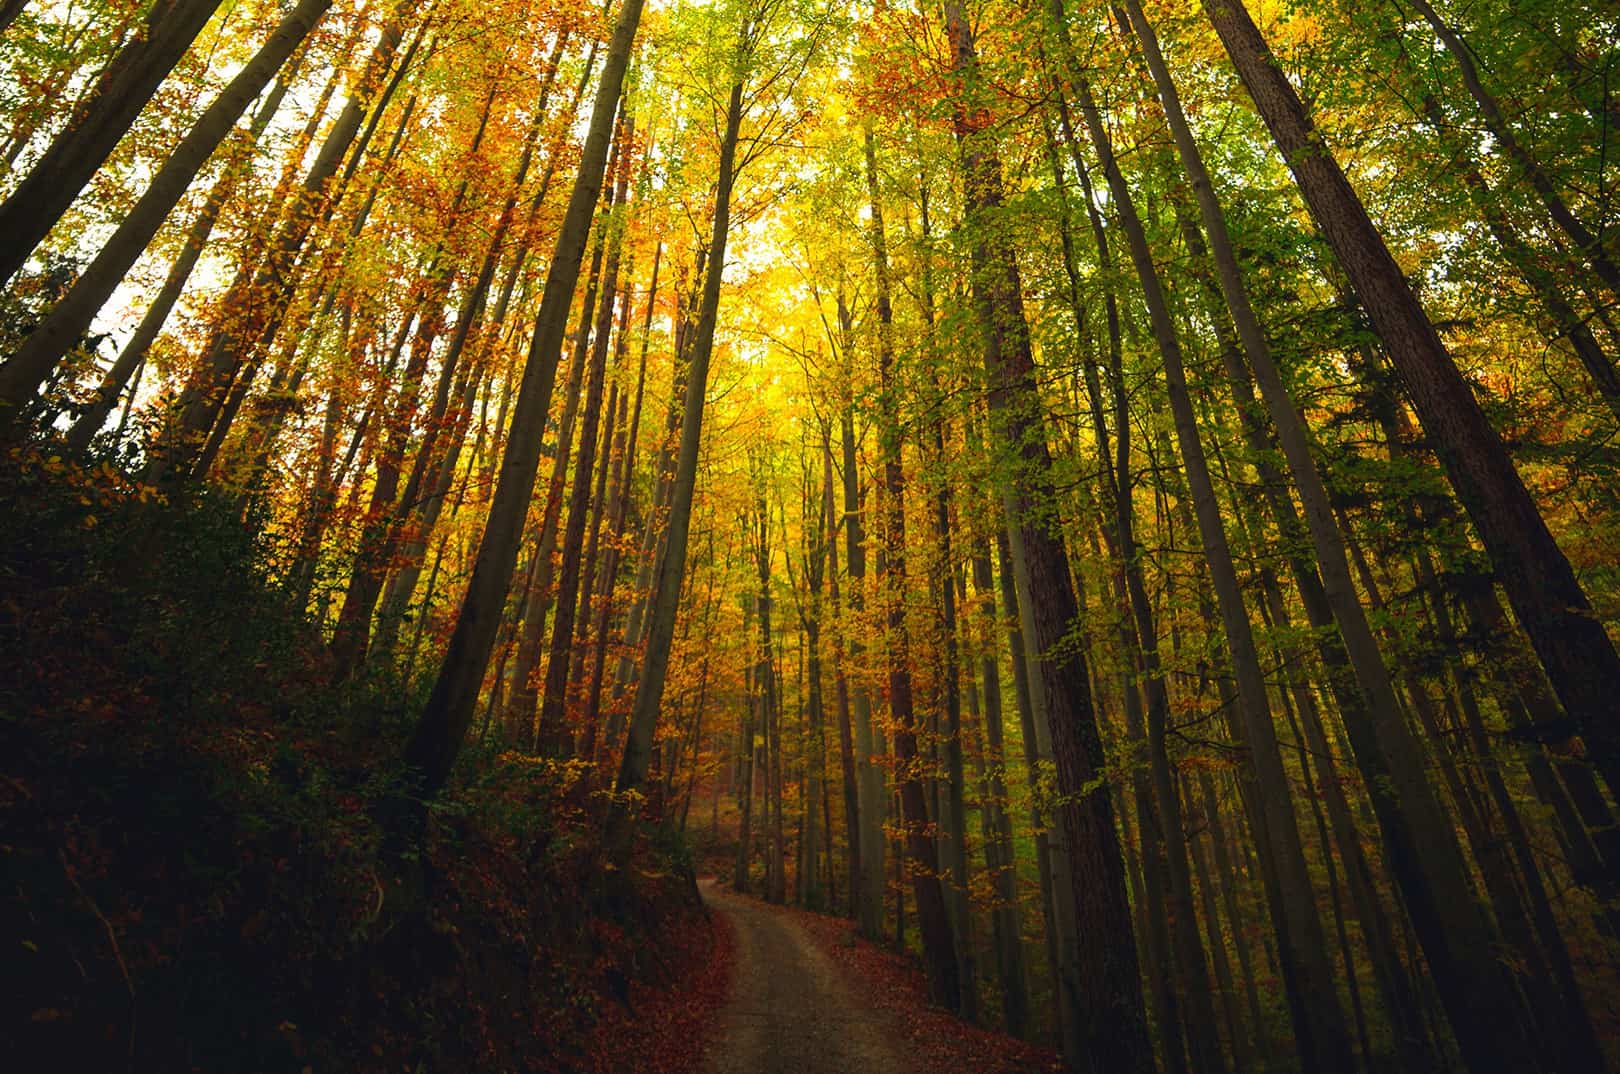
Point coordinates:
[[112, 938]]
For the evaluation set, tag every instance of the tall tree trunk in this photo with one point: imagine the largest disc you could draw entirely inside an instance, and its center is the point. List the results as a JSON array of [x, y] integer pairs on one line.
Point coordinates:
[[70, 318], [592, 561], [95, 128], [770, 714], [380, 530], [266, 294], [672, 565], [1427, 864], [1319, 1026], [1591, 247], [1158, 803], [1570, 641], [816, 541], [745, 761], [951, 812], [468, 319], [854, 802], [1052, 839], [869, 774], [443, 724], [1008, 935], [523, 707], [552, 709], [933, 918], [1114, 1033], [620, 512], [132, 356]]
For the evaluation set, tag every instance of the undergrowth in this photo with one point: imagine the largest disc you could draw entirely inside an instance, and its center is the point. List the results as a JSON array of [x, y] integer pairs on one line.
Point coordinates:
[[192, 870]]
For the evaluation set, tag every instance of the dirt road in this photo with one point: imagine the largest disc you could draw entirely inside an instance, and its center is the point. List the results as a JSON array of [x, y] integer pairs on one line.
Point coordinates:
[[791, 1010]]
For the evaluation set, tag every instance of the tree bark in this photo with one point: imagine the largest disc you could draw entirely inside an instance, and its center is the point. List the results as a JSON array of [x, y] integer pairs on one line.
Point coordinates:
[[439, 732], [933, 918], [269, 290], [21, 377], [1319, 1025], [552, 710], [1589, 246], [132, 357], [873, 797], [1162, 835], [1574, 648], [95, 128], [1456, 935], [1113, 1033], [672, 565]]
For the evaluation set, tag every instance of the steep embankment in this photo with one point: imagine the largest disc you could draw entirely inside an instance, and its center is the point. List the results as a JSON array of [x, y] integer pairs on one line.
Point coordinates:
[[191, 865]]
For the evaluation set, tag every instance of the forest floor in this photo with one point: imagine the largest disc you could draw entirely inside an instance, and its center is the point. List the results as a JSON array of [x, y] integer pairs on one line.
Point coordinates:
[[808, 997]]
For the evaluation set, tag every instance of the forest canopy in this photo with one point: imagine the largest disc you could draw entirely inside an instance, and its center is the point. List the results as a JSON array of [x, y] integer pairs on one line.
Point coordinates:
[[1117, 499]]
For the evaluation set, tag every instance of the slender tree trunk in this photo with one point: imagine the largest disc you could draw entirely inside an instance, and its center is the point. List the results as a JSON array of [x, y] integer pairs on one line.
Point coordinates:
[[132, 357], [70, 318], [672, 565], [388, 507], [745, 761], [817, 540], [443, 724], [467, 322], [1164, 846], [271, 288], [1455, 934], [1571, 642], [1113, 1035], [95, 128], [1319, 1026], [869, 774], [653, 528], [951, 814], [1590, 247], [552, 709], [771, 719], [589, 585], [523, 707], [854, 816], [620, 512], [1004, 918], [933, 917], [1242, 1043], [1052, 838]]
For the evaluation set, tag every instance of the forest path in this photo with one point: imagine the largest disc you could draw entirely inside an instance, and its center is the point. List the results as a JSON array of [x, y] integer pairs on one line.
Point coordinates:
[[791, 1010]]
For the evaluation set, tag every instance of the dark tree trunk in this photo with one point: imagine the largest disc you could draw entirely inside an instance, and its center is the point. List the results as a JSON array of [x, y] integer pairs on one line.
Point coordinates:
[[438, 735], [265, 294], [933, 917], [1114, 1035], [96, 126], [70, 318], [553, 729], [1578, 655], [132, 357], [672, 564]]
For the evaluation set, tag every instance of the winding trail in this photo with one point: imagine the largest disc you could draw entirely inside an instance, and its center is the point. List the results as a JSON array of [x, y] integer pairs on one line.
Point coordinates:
[[791, 1011]]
